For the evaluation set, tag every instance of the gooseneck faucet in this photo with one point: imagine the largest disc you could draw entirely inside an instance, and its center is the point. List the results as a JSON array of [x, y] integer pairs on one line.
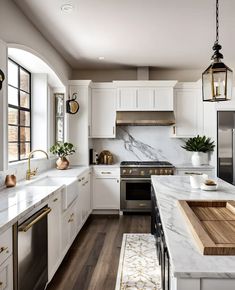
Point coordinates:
[[30, 173]]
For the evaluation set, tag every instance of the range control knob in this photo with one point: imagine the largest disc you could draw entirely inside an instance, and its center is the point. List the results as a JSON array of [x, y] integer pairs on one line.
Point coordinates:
[[130, 171], [142, 172], [167, 171], [161, 171], [124, 171], [156, 171], [150, 171]]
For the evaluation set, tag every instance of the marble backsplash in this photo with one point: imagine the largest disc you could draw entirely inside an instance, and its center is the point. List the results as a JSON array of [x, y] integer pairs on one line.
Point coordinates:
[[144, 143]]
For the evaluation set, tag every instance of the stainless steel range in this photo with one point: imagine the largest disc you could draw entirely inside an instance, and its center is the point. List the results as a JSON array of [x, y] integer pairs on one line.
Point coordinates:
[[136, 183]]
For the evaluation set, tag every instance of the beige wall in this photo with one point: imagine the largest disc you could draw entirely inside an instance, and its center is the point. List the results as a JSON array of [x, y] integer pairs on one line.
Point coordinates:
[[16, 29], [131, 74]]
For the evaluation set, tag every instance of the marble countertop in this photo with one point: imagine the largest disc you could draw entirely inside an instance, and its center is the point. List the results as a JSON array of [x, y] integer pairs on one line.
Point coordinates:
[[186, 259], [17, 201], [191, 167]]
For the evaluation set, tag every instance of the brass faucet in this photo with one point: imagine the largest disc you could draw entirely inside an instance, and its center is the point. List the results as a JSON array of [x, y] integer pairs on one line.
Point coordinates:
[[30, 173]]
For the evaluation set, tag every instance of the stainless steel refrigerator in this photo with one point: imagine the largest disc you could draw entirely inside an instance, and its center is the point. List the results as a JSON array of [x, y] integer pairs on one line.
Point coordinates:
[[226, 146]]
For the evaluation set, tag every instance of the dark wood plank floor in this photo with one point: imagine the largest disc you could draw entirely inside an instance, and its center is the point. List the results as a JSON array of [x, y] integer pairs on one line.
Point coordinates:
[[92, 261]]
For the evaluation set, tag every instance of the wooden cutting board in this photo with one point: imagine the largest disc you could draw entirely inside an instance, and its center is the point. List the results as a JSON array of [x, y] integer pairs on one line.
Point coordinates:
[[212, 224]]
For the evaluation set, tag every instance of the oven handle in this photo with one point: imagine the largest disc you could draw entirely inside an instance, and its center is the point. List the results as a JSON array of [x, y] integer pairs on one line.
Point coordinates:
[[135, 179]]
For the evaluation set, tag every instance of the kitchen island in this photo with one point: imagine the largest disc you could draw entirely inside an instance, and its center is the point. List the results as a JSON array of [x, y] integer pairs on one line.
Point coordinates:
[[189, 269]]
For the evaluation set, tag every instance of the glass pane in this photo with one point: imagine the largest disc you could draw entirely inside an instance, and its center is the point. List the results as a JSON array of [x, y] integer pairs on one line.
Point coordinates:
[[24, 80], [207, 88], [24, 150], [13, 133], [219, 84], [12, 116], [24, 118], [24, 134], [12, 151], [59, 105], [59, 130], [24, 100], [12, 74], [12, 96]]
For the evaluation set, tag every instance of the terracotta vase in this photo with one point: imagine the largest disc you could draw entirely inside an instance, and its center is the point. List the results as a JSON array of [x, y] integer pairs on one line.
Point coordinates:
[[62, 163], [10, 181]]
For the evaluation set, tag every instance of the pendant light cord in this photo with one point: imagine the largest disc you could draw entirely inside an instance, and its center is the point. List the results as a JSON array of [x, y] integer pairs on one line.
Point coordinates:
[[217, 21]]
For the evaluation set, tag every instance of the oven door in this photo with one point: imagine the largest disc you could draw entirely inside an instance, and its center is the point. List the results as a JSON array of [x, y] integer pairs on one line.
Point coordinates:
[[136, 194]]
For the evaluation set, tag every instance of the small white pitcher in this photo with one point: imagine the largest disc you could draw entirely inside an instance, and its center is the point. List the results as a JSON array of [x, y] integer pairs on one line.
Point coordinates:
[[196, 180]]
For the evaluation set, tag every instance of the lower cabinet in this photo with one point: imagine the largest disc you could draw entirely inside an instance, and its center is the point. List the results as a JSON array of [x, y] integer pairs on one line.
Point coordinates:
[[54, 233], [6, 274], [106, 189], [84, 196]]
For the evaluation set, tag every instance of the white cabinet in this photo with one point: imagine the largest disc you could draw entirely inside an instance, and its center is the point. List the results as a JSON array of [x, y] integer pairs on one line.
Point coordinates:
[[145, 95], [164, 99], [103, 113], [6, 260], [126, 99], [6, 274], [54, 233], [84, 198], [106, 188], [206, 170], [188, 110]]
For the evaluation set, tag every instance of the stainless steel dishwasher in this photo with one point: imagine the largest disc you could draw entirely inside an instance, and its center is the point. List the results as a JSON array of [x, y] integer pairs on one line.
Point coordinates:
[[31, 251]]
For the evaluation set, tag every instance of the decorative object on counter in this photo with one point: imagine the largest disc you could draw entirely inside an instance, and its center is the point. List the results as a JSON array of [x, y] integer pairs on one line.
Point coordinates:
[[72, 105], [2, 78], [209, 185], [217, 79], [200, 146], [105, 157], [62, 150], [10, 180], [196, 180]]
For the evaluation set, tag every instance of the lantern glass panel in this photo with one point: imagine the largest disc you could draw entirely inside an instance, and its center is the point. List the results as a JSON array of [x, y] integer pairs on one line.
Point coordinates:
[[219, 82], [207, 85], [229, 84]]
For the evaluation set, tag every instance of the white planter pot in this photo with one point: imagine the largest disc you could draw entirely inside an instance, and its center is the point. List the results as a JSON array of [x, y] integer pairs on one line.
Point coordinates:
[[196, 159], [205, 158]]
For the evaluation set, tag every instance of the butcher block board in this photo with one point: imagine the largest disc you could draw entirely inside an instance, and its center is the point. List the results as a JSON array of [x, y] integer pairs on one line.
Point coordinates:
[[212, 224]]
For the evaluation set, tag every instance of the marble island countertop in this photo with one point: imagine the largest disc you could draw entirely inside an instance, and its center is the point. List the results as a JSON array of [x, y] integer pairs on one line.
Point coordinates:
[[186, 259], [17, 201]]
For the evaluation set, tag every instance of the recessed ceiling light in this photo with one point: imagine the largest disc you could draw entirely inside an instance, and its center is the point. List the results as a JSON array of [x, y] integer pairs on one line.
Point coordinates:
[[67, 8], [101, 57]]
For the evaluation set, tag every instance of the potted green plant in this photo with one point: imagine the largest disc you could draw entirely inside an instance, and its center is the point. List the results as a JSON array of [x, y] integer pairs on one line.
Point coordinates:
[[200, 146], [62, 150]]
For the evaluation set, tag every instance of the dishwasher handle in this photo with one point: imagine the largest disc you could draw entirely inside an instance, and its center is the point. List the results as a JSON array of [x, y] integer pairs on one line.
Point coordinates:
[[28, 224]]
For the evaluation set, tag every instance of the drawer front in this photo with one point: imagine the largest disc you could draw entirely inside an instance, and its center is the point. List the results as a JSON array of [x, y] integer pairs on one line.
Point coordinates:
[[5, 245], [106, 172], [6, 275]]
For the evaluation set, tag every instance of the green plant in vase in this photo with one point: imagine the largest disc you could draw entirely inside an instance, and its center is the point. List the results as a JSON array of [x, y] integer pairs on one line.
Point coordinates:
[[199, 145], [62, 150]]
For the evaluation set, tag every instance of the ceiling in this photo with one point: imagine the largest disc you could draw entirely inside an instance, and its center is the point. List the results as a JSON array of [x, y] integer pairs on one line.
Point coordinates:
[[174, 34]]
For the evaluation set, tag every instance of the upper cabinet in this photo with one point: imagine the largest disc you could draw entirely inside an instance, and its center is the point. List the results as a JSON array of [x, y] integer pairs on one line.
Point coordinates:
[[145, 95], [103, 111], [188, 110]]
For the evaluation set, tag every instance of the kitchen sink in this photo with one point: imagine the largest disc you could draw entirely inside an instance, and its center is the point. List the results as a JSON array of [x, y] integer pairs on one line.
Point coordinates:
[[70, 192]]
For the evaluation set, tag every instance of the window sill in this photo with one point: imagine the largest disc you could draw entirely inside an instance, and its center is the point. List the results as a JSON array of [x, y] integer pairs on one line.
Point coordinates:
[[22, 162]]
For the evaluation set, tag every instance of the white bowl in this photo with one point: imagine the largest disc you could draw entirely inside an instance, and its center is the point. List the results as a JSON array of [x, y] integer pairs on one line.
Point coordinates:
[[209, 187]]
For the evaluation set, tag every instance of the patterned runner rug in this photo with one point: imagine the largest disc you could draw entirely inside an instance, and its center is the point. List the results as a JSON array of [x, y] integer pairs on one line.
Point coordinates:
[[138, 265]]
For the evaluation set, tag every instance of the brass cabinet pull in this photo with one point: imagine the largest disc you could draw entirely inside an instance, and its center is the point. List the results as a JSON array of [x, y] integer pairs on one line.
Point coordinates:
[[2, 249], [26, 226], [55, 199], [1, 283], [83, 178], [106, 172], [113, 131], [79, 180], [142, 204]]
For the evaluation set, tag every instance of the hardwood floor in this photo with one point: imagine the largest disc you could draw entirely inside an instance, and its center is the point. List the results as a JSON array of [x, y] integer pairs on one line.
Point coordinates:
[[92, 261]]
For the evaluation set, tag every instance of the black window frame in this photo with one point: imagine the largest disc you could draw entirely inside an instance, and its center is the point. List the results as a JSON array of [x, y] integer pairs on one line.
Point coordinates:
[[19, 109]]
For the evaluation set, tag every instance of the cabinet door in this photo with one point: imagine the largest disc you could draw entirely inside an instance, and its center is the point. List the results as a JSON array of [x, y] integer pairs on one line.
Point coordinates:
[[127, 99], [6, 275], [145, 99], [163, 99], [54, 234], [103, 113], [189, 112], [65, 232], [106, 193]]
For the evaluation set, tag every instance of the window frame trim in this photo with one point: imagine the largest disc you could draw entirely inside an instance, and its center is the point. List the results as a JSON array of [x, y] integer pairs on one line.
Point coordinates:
[[19, 108]]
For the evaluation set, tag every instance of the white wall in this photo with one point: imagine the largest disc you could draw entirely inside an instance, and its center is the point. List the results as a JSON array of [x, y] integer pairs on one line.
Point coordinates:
[[16, 29]]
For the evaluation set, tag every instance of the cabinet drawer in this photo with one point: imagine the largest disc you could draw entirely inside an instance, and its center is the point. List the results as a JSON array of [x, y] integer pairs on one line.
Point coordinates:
[[6, 275], [5, 245], [106, 172]]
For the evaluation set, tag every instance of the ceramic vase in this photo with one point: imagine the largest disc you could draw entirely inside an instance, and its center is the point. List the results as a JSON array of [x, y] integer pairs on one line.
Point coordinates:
[[62, 163], [196, 159]]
